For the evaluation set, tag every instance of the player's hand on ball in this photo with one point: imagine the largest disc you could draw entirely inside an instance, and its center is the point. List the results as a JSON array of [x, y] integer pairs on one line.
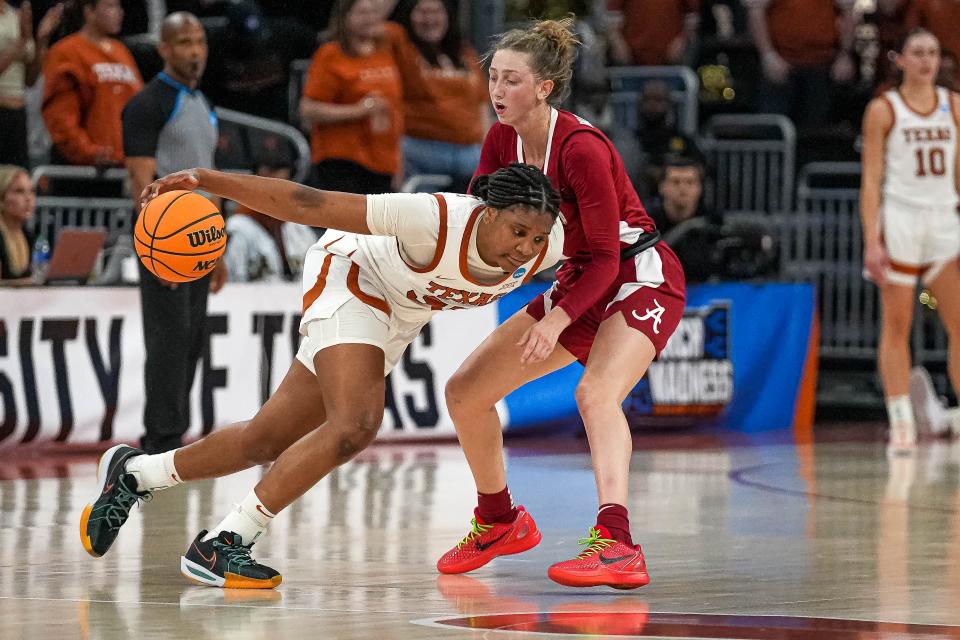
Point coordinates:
[[186, 180], [180, 236]]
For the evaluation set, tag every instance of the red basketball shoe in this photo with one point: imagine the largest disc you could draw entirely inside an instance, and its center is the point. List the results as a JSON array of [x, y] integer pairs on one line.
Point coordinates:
[[605, 561], [487, 541]]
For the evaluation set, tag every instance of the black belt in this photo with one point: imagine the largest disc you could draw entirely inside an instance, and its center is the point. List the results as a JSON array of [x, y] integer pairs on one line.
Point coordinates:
[[646, 241]]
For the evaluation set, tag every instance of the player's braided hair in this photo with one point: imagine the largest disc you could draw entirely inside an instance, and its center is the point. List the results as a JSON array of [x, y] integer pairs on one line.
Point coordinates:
[[518, 183]]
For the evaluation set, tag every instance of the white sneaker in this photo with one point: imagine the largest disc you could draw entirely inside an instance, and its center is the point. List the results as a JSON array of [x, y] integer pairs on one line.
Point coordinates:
[[927, 407]]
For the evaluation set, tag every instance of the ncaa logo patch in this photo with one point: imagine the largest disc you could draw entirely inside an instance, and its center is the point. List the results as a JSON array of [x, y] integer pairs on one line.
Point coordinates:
[[519, 272]]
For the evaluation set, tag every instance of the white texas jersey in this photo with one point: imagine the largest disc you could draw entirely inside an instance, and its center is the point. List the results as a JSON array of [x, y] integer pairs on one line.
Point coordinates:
[[440, 230], [921, 154]]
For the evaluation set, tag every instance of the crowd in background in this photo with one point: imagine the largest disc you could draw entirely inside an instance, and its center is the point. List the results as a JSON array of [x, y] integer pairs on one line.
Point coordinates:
[[396, 89]]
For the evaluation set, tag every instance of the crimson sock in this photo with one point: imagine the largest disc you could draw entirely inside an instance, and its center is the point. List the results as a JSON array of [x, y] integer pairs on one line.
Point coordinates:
[[614, 517], [496, 507]]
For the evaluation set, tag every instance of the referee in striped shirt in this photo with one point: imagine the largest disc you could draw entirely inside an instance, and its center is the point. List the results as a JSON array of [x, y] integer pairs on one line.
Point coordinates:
[[167, 127]]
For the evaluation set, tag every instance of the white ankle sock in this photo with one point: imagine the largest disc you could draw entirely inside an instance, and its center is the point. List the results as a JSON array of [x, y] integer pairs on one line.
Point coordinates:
[[154, 473], [248, 520]]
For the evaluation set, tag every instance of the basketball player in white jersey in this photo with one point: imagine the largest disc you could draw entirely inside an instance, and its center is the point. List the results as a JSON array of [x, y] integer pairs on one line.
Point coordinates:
[[387, 264], [911, 229]]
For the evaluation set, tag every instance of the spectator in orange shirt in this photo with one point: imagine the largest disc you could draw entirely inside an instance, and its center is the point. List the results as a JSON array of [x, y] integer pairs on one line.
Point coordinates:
[[443, 126], [353, 99], [803, 44], [89, 78], [653, 32]]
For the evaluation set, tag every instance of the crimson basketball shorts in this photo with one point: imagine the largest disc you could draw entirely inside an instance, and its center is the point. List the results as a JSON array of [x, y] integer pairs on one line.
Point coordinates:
[[650, 292]]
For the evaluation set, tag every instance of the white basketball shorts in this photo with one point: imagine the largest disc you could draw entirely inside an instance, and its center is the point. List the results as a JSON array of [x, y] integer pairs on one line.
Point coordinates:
[[345, 309], [919, 240]]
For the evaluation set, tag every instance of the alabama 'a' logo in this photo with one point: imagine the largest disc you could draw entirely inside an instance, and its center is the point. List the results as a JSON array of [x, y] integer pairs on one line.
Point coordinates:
[[655, 314]]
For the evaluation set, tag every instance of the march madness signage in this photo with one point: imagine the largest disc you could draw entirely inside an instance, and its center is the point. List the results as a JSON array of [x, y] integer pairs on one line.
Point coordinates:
[[743, 357], [694, 375]]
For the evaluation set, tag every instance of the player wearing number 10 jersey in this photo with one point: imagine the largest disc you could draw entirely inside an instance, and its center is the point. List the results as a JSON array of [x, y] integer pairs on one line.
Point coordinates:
[[911, 228]]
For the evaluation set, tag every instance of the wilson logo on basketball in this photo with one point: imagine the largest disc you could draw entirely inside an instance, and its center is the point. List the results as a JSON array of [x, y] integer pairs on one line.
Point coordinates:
[[202, 237]]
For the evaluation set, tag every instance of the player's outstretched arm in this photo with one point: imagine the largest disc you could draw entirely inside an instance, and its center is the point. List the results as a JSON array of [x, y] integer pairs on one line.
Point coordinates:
[[279, 199]]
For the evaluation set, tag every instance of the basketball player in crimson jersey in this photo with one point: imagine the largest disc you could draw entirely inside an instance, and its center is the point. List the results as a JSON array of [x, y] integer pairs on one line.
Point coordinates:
[[387, 264], [615, 304], [911, 230]]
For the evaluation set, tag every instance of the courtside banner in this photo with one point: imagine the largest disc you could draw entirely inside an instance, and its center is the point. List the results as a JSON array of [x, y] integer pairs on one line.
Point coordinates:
[[71, 363], [743, 357]]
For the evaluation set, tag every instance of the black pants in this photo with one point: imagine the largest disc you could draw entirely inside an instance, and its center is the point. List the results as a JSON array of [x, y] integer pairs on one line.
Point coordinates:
[[173, 330], [13, 139], [350, 177]]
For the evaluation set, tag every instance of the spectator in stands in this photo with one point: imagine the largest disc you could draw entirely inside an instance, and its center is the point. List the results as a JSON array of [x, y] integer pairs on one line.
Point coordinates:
[[939, 17], [445, 125], [660, 135], [802, 49], [167, 127], [653, 32], [680, 195], [17, 201], [89, 78], [262, 248], [21, 58], [353, 100], [680, 200], [250, 60]]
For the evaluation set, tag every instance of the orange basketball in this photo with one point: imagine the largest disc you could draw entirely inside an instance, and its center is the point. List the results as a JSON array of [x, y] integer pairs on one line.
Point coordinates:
[[180, 236]]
